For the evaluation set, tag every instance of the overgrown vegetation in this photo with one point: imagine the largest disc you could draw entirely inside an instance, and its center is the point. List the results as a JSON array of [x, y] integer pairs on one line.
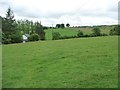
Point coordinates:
[[34, 37]]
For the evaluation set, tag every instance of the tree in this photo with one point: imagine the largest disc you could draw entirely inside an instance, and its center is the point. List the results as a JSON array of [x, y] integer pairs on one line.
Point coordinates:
[[80, 33], [96, 31], [32, 27], [115, 30], [111, 32], [16, 38], [58, 25], [33, 37], [8, 25], [62, 26], [67, 25], [39, 30], [9, 28], [56, 36]]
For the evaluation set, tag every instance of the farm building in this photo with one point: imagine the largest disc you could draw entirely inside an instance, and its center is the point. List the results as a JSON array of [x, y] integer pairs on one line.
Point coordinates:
[[25, 37]]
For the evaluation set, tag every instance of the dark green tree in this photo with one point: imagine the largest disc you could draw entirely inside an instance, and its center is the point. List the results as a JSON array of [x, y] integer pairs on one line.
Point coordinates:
[[39, 30], [32, 27], [9, 28], [8, 23], [33, 37], [62, 26], [80, 33], [115, 30], [58, 25], [67, 25], [56, 36], [96, 31]]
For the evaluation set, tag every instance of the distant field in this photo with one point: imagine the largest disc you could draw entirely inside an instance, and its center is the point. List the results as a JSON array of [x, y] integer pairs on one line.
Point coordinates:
[[73, 63], [74, 31], [65, 31]]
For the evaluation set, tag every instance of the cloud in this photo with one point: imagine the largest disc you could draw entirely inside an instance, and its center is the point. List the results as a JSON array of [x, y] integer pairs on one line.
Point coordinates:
[[76, 12]]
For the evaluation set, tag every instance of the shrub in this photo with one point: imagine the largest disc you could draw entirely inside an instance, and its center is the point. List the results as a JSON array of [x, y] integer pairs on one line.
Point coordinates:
[[66, 37], [115, 30], [33, 37], [103, 34], [93, 35], [56, 36], [45, 27], [74, 36], [80, 34], [16, 38], [111, 32], [42, 36], [96, 31], [85, 35], [6, 41]]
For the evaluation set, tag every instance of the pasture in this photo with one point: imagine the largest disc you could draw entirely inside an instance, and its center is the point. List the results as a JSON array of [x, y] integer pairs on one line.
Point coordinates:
[[71, 63], [74, 31]]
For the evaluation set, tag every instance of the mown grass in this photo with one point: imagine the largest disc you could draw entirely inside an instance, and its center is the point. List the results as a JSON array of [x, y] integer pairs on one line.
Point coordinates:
[[73, 63]]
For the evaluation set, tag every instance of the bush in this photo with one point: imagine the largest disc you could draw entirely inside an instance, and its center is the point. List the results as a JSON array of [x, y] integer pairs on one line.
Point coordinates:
[[80, 34], [115, 30], [96, 31], [56, 36], [103, 34], [74, 36], [111, 32], [93, 35], [16, 38], [33, 37], [42, 36], [68, 37], [86, 35], [6, 41], [44, 28]]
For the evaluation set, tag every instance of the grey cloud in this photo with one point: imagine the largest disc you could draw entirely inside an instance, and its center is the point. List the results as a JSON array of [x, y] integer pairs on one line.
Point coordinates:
[[99, 13], [4, 2], [30, 12], [25, 13], [34, 13]]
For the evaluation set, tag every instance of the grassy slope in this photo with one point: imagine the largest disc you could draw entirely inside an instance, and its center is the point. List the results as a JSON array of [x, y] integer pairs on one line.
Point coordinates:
[[65, 31], [86, 62], [74, 31]]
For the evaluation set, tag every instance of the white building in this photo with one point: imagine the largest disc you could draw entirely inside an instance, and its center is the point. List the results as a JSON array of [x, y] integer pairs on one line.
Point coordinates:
[[25, 37]]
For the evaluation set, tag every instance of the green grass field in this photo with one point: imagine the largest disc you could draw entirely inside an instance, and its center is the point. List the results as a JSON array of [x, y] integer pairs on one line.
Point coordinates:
[[73, 63], [74, 31]]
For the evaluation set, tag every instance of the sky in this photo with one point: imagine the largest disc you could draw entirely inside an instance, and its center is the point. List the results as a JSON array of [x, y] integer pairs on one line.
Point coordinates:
[[74, 12]]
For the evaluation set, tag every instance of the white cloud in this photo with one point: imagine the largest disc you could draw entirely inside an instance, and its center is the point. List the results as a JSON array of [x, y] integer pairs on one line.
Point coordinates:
[[75, 12]]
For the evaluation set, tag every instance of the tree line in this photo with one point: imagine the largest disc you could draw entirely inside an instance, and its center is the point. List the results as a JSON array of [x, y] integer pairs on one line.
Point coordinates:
[[12, 30], [62, 25]]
